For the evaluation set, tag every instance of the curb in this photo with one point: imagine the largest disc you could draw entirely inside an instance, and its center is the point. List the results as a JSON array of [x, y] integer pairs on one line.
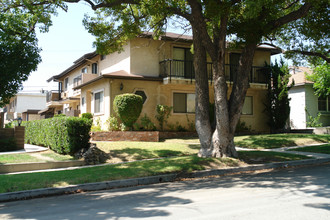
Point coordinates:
[[28, 194]]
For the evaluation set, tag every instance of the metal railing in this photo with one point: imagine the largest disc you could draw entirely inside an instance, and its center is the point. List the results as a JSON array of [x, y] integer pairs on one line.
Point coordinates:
[[185, 70]]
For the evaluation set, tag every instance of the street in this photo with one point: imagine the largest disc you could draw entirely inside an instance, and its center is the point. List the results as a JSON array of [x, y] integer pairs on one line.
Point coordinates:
[[302, 193]]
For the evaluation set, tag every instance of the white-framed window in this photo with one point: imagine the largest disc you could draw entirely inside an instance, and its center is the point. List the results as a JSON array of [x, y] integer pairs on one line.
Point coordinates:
[[84, 70], [66, 84], [98, 102], [248, 106], [77, 81], [323, 104], [94, 68], [183, 102], [82, 101]]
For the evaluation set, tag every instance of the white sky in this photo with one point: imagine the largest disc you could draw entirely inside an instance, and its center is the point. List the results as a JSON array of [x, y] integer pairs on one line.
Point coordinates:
[[66, 41]]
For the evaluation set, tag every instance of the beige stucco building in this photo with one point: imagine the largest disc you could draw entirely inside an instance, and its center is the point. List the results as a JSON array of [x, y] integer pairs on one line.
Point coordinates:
[[159, 70]]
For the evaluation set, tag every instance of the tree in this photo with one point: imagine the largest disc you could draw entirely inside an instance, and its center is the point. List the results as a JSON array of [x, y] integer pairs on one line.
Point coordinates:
[[321, 79], [19, 52], [246, 22], [277, 103]]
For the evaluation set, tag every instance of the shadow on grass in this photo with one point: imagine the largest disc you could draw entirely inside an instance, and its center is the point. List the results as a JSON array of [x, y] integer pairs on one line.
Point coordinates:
[[261, 157]]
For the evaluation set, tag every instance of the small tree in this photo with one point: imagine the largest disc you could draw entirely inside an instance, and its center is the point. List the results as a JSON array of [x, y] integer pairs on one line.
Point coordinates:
[[277, 103], [128, 107], [163, 113]]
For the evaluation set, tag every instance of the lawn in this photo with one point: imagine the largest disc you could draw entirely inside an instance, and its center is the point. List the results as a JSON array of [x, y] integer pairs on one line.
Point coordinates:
[[279, 140], [323, 149], [261, 157], [45, 156], [123, 151]]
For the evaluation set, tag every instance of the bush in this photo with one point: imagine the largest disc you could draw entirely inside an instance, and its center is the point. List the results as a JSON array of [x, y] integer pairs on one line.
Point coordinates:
[[112, 123], [128, 107], [59, 115], [87, 115], [163, 113], [64, 135], [147, 124], [7, 144]]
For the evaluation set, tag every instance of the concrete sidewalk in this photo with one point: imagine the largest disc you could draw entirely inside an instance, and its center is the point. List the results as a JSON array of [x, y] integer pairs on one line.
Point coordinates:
[[28, 148]]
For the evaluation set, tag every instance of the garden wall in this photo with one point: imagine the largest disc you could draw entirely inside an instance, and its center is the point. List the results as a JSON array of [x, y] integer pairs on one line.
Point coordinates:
[[148, 136], [17, 133]]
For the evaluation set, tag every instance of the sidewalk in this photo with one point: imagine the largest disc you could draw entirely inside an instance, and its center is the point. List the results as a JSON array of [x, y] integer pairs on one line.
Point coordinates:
[[28, 148]]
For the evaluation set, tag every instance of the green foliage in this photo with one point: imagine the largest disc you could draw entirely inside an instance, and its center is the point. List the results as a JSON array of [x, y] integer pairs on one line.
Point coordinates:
[[321, 79], [87, 115], [97, 126], [59, 115], [64, 135], [112, 123], [191, 124], [128, 107], [7, 144], [313, 122], [242, 127], [277, 103], [123, 127], [10, 125], [19, 52], [163, 113], [147, 124]]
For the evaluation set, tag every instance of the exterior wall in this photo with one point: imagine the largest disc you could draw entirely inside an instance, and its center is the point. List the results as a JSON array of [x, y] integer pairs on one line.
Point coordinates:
[[297, 107], [117, 61], [30, 101]]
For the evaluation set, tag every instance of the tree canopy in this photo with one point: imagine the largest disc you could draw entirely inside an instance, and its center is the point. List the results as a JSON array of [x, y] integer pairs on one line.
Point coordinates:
[[19, 51]]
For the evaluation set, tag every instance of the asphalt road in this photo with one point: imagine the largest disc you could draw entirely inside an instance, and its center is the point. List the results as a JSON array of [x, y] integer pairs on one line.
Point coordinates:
[[302, 193]]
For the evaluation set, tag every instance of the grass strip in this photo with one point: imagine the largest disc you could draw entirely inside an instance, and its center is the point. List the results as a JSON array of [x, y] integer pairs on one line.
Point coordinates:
[[27, 181], [18, 158], [279, 140], [260, 157], [323, 149], [130, 151]]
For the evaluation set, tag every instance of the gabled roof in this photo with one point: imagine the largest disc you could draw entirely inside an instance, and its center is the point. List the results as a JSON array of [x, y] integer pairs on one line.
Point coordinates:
[[298, 75], [76, 64]]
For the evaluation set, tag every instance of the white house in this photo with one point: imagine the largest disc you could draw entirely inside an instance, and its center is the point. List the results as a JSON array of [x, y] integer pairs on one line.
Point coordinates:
[[25, 105], [304, 102]]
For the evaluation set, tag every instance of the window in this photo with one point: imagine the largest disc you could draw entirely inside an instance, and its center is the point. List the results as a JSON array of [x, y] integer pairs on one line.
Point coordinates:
[[83, 101], [98, 102], [142, 94], [324, 104], [84, 70], [94, 68], [77, 81], [183, 62], [66, 84], [248, 106], [183, 103], [103, 57]]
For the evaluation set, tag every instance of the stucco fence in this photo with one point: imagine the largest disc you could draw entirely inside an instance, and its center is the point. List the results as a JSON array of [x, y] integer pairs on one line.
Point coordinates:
[[148, 136]]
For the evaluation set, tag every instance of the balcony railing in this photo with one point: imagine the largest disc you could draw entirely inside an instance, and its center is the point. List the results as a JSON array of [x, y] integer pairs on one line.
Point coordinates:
[[53, 95], [185, 70]]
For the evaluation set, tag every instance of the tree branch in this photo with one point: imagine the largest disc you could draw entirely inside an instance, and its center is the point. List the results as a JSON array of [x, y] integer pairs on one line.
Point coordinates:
[[310, 53]]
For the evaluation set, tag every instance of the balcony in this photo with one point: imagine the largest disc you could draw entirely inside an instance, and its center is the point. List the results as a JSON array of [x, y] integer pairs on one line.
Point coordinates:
[[181, 69], [53, 95]]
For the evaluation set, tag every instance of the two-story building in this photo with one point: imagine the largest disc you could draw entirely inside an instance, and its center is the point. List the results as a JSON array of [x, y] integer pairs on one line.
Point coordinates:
[[162, 72]]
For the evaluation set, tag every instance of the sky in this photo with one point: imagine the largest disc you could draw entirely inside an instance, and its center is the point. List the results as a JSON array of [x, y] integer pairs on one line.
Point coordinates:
[[66, 41]]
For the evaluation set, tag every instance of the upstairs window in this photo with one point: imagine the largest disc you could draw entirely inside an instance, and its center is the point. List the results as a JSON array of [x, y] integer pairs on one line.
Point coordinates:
[[77, 81], [94, 68], [183, 103], [66, 84], [84, 70]]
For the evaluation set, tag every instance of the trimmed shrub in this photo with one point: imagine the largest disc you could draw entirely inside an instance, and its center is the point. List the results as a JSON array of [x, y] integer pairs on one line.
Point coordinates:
[[113, 124], [128, 107], [64, 135], [87, 115], [147, 124]]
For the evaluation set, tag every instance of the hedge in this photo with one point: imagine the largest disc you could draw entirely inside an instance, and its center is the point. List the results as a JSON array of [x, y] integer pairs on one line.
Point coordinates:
[[64, 135]]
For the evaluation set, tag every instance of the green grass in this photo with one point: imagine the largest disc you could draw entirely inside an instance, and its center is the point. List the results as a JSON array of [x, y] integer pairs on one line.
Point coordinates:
[[323, 149], [27, 181], [131, 151], [56, 157], [260, 157], [18, 158], [279, 140]]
